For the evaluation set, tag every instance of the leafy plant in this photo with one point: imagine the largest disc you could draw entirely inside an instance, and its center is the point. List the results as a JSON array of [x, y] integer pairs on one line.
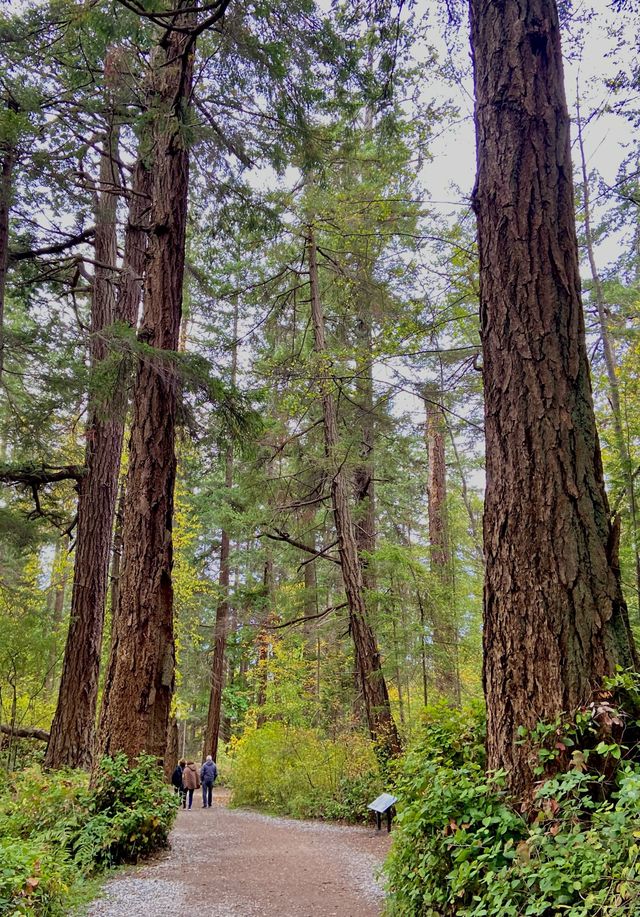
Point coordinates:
[[463, 848]]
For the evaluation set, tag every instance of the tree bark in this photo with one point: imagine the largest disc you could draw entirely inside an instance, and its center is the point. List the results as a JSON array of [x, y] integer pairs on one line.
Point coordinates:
[[372, 681], [555, 621], [73, 728], [212, 732], [140, 675], [7, 164], [445, 632]]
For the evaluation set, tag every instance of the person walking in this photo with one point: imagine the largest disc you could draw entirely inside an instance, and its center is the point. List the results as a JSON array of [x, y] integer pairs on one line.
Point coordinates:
[[208, 774], [176, 779], [190, 781]]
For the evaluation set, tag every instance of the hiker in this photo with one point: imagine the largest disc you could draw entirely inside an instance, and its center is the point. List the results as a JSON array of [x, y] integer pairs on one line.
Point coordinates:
[[208, 774], [176, 778], [190, 781]]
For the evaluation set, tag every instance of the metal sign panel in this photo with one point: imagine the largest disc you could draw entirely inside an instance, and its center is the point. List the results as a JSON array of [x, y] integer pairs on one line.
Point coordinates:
[[382, 803]]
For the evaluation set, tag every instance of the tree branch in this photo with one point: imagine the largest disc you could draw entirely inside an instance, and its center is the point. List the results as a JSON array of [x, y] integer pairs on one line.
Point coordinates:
[[306, 618], [34, 476], [25, 732], [25, 254], [284, 536]]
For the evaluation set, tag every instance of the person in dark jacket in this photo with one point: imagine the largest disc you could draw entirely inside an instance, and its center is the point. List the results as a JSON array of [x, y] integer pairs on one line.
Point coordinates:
[[208, 774], [191, 782], [176, 779]]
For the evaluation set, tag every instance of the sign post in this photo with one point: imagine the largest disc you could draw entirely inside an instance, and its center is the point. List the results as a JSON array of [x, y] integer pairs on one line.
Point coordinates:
[[381, 806]]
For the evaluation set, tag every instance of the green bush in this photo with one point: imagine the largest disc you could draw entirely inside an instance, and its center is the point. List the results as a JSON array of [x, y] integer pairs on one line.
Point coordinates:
[[34, 879], [462, 849], [299, 772], [55, 831], [132, 812]]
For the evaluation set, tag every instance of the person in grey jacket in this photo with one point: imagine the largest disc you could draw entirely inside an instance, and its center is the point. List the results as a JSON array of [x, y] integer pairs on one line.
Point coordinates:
[[208, 774]]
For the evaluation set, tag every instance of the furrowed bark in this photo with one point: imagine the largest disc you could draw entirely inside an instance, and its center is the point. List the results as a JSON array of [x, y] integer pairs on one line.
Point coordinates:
[[372, 682], [555, 621], [7, 164], [73, 727], [140, 675]]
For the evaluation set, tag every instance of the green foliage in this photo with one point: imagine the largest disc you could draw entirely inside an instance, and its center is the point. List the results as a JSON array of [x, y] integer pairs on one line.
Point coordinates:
[[132, 809], [299, 772], [55, 832], [462, 848]]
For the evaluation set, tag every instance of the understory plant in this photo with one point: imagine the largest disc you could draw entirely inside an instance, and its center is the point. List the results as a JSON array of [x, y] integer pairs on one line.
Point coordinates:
[[463, 847], [300, 772], [56, 832]]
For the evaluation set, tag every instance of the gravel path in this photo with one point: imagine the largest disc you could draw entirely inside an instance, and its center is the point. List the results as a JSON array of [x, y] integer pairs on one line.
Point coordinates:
[[235, 863]]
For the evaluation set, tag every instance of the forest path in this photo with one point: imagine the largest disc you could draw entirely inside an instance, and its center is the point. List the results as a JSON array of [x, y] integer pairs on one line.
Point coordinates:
[[236, 863]]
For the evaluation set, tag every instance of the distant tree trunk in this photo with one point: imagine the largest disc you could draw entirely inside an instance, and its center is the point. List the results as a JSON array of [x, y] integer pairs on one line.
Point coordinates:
[[72, 731], [555, 621], [264, 641], [140, 675], [364, 488], [212, 731], [172, 751], [445, 634], [624, 458], [374, 688], [57, 596], [473, 522]]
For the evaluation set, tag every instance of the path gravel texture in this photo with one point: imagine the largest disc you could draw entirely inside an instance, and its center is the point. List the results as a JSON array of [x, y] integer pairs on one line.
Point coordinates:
[[235, 863]]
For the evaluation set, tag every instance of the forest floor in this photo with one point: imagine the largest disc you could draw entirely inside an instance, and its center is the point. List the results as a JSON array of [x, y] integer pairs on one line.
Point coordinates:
[[237, 863]]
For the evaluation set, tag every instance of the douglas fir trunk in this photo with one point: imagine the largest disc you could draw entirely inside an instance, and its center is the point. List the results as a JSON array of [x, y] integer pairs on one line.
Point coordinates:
[[72, 730], [140, 675], [372, 682], [555, 619]]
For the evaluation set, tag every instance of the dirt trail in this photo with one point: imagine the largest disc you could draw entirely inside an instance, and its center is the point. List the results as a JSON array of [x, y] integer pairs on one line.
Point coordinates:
[[234, 863]]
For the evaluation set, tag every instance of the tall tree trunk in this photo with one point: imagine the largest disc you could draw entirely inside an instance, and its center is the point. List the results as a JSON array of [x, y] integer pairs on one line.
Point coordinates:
[[374, 687], [212, 731], [140, 675], [7, 164], [555, 621], [364, 489], [72, 731], [264, 641], [624, 458], [445, 632]]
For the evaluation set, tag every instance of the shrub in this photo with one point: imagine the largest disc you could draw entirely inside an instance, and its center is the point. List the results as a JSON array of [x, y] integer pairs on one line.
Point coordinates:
[[132, 812], [34, 879], [299, 772], [462, 848], [55, 831]]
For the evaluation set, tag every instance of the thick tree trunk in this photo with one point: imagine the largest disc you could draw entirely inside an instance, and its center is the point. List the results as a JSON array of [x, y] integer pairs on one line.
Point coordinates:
[[7, 164], [372, 682], [212, 732], [72, 731], [140, 675], [445, 632], [624, 458], [555, 621]]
